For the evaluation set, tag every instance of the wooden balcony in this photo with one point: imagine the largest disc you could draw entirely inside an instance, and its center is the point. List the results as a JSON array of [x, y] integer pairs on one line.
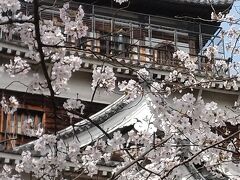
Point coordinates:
[[140, 38]]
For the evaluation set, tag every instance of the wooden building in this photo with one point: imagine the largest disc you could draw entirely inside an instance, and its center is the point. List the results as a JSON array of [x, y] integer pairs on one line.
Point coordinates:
[[144, 34], [134, 36]]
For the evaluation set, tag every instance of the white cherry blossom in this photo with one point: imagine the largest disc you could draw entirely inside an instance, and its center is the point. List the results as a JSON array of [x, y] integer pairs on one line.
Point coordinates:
[[18, 66], [211, 52], [120, 1], [103, 77], [9, 105], [178, 128], [132, 89], [73, 104]]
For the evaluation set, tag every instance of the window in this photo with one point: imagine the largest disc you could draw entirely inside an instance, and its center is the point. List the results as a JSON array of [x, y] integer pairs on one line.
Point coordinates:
[[104, 43], [6, 36], [121, 45], [164, 53], [14, 123]]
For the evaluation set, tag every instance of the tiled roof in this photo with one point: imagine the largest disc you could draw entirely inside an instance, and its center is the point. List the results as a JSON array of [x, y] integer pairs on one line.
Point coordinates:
[[99, 118]]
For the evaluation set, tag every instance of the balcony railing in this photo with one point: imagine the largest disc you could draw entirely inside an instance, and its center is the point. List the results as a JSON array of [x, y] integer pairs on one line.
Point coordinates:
[[145, 38], [142, 38]]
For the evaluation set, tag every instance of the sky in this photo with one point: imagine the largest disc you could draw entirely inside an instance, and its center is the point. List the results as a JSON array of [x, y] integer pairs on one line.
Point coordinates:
[[235, 11]]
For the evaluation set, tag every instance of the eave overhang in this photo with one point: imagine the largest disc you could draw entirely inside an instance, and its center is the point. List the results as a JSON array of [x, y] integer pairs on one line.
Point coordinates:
[[169, 8]]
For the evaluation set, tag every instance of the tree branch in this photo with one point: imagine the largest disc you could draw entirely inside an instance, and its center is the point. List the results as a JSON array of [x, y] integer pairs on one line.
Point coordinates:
[[115, 175], [195, 155]]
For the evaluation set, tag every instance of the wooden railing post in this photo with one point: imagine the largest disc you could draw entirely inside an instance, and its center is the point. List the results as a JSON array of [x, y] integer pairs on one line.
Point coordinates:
[[200, 47], [93, 28]]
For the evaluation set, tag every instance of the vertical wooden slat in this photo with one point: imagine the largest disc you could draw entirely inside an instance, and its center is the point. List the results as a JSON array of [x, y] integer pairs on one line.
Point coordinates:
[[43, 120], [192, 47], [156, 57], [35, 121], [1, 124], [15, 123], [2, 121], [22, 121], [142, 54], [8, 129], [97, 43]]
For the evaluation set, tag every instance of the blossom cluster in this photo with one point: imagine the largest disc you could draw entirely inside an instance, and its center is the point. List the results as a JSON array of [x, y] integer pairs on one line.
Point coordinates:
[[177, 122], [50, 164], [211, 52], [103, 77], [62, 71], [18, 66], [132, 89], [76, 29], [120, 1], [9, 105], [8, 7], [189, 63], [29, 129], [6, 173], [178, 128], [143, 74], [73, 104], [223, 17]]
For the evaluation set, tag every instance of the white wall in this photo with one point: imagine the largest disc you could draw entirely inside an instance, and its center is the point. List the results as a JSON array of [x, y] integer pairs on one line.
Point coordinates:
[[79, 83]]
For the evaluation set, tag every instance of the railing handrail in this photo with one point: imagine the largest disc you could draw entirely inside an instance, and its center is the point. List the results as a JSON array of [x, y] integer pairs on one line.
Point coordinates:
[[76, 4], [54, 10], [152, 26]]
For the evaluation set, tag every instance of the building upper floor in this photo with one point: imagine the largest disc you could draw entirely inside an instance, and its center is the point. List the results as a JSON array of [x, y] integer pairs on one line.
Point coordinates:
[[166, 8], [137, 37]]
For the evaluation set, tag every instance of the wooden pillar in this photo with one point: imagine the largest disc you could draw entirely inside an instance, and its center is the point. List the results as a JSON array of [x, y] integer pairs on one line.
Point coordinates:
[[192, 47], [1, 125]]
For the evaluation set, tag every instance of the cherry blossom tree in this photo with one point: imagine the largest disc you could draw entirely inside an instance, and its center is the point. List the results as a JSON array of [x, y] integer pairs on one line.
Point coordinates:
[[180, 131]]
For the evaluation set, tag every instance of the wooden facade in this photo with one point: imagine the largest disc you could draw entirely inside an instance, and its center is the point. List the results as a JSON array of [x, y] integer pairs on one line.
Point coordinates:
[[140, 37], [135, 37], [37, 108]]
